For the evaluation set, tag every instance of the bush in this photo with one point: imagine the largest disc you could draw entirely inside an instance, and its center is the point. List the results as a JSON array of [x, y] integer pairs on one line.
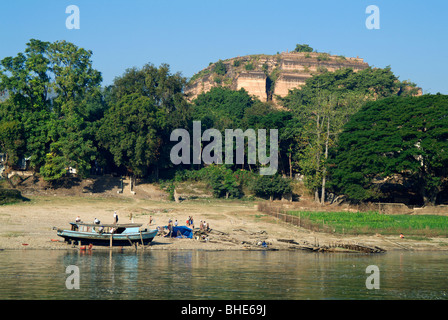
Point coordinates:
[[229, 184], [8, 196], [323, 57], [249, 66], [271, 186], [303, 48], [222, 180], [322, 69], [220, 68]]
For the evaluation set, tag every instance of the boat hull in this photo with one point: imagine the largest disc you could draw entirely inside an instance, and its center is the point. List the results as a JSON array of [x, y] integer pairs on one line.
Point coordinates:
[[104, 239]]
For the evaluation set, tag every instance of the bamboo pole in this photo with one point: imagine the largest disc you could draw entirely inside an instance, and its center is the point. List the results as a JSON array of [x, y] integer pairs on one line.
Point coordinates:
[[141, 238]]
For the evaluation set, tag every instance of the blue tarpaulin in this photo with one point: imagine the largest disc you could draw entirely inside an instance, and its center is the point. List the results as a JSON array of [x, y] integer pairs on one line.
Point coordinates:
[[182, 232]]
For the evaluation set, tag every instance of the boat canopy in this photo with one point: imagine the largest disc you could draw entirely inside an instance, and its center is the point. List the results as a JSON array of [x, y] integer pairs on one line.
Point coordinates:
[[108, 225]]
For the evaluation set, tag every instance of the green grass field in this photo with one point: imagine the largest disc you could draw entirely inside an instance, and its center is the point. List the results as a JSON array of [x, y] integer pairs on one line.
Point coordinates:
[[373, 222]]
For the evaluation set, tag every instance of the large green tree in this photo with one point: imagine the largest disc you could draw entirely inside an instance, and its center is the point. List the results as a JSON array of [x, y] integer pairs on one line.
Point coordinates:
[[50, 88], [131, 131], [404, 137], [324, 105], [303, 48], [223, 108], [159, 84], [146, 104]]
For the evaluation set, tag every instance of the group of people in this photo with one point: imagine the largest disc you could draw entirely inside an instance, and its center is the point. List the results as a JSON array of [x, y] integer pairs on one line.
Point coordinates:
[[190, 222], [97, 221], [203, 225]]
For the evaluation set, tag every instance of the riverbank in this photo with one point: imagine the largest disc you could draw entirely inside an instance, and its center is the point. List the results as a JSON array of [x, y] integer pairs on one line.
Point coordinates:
[[235, 225]]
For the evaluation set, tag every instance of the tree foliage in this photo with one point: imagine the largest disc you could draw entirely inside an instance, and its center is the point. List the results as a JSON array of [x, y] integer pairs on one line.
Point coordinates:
[[50, 87], [220, 68], [271, 187], [223, 108], [324, 105], [398, 136], [303, 48], [146, 104], [55, 114], [130, 131]]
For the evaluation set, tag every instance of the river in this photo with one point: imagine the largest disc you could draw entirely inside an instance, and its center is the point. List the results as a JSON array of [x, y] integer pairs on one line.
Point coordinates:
[[220, 275]]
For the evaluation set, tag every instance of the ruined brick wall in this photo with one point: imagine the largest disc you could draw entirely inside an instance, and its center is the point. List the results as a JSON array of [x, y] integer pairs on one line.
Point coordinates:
[[254, 83], [291, 69], [288, 81]]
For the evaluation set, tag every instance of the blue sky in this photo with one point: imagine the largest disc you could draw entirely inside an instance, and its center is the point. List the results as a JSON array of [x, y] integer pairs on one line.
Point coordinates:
[[188, 35]]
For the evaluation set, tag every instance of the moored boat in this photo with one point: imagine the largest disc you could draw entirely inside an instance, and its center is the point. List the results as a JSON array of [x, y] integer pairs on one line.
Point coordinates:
[[107, 234]]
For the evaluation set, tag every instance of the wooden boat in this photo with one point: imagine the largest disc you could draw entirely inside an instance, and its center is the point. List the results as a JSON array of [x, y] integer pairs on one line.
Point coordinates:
[[107, 234]]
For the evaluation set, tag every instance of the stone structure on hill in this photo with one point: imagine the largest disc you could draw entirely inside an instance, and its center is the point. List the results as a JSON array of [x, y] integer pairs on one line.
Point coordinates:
[[268, 76], [253, 82]]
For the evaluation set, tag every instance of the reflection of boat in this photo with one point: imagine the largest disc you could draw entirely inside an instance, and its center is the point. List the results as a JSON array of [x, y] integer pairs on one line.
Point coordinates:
[[107, 234]]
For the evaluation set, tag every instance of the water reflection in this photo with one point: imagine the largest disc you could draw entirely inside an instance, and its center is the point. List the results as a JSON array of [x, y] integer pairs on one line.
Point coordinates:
[[221, 275]]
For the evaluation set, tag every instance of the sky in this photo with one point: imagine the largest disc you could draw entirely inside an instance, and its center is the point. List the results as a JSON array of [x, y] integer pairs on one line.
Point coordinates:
[[412, 37]]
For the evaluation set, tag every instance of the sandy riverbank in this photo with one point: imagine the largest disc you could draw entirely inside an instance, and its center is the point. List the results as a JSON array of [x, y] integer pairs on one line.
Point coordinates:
[[236, 225]]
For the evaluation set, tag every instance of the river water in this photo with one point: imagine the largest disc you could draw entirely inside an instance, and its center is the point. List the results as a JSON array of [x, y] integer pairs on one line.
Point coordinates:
[[220, 275]]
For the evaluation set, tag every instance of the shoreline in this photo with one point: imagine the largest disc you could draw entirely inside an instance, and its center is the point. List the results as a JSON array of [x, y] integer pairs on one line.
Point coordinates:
[[235, 226]]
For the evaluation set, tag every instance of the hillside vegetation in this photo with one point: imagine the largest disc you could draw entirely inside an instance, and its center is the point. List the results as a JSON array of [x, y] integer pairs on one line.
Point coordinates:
[[56, 117]]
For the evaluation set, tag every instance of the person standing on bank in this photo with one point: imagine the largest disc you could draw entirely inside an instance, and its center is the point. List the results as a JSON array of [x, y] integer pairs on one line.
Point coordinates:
[[115, 217]]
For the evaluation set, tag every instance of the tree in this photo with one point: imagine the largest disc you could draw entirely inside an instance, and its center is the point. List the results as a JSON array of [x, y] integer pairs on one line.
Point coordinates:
[[398, 136], [271, 186], [55, 165], [220, 178], [26, 78], [72, 146], [222, 108], [11, 140], [223, 182], [303, 48], [324, 105], [263, 116], [156, 83], [50, 90], [157, 93], [130, 131], [220, 68], [74, 77]]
